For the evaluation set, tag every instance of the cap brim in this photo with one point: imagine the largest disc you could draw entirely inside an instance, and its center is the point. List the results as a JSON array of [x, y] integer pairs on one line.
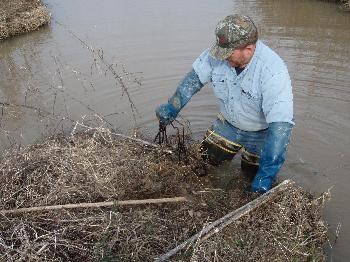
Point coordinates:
[[221, 53]]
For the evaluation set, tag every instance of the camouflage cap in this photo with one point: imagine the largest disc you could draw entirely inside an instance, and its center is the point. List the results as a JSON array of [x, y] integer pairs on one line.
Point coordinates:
[[233, 32]]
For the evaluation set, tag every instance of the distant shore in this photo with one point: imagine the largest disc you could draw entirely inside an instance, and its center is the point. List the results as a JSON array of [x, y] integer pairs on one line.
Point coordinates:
[[345, 4], [21, 16]]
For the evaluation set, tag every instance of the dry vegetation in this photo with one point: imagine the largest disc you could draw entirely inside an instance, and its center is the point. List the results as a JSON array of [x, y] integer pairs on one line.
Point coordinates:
[[21, 16], [346, 4], [94, 165]]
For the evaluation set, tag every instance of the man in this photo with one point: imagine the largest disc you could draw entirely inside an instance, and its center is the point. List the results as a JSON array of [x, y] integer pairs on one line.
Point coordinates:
[[254, 90]]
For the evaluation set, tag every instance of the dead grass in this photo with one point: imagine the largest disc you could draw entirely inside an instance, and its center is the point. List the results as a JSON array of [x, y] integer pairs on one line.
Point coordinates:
[[289, 228], [21, 16], [94, 165], [346, 4]]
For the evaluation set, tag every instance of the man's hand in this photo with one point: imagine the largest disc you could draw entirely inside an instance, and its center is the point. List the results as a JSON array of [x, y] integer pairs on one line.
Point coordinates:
[[166, 114], [190, 85]]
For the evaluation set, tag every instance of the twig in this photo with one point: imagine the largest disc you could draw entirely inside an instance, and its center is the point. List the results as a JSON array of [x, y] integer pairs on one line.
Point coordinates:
[[99, 53], [25, 106], [95, 205], [219, 224]]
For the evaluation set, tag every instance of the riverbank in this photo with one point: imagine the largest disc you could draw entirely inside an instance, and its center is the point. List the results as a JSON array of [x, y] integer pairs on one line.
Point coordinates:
[[346, 4], [96, 166], [21, 16]]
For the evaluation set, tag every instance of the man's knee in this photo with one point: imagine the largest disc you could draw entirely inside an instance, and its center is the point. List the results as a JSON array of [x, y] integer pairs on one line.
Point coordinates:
[[214, 154], [250, 164], [217, 149]]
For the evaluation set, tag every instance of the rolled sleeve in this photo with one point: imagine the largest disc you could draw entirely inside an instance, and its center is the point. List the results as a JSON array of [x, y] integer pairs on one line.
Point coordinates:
[[278, 99], [203, 68]]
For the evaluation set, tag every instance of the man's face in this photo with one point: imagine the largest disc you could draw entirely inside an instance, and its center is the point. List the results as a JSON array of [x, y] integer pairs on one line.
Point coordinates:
[[241, 57]]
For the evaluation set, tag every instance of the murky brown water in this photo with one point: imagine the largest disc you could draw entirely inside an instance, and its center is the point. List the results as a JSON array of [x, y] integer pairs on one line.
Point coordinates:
[[156, 41]]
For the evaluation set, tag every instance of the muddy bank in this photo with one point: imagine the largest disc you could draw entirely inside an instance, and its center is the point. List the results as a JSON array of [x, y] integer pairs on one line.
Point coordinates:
[[94, 165], [21, 16]]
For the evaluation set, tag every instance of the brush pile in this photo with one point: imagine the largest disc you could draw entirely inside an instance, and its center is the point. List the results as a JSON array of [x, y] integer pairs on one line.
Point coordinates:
[[19, 16], [94, 165]]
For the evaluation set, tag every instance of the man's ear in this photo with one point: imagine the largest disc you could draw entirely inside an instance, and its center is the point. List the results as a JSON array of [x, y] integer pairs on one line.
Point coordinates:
[[250, 47]]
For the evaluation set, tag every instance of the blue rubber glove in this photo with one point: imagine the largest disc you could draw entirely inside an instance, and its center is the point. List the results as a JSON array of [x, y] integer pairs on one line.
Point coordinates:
[[166, 114], [190, 85], [272, 156]]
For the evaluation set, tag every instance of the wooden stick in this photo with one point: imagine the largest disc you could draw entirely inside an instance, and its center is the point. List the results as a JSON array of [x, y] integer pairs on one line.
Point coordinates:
[[219, 224], [94, 205]]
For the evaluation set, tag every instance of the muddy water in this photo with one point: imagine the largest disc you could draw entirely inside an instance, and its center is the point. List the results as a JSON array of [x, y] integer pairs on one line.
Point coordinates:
[[58, 75]]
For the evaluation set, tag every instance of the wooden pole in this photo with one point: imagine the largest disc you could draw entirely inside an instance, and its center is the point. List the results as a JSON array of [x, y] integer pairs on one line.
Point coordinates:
[[219, 224], [94, 205]]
